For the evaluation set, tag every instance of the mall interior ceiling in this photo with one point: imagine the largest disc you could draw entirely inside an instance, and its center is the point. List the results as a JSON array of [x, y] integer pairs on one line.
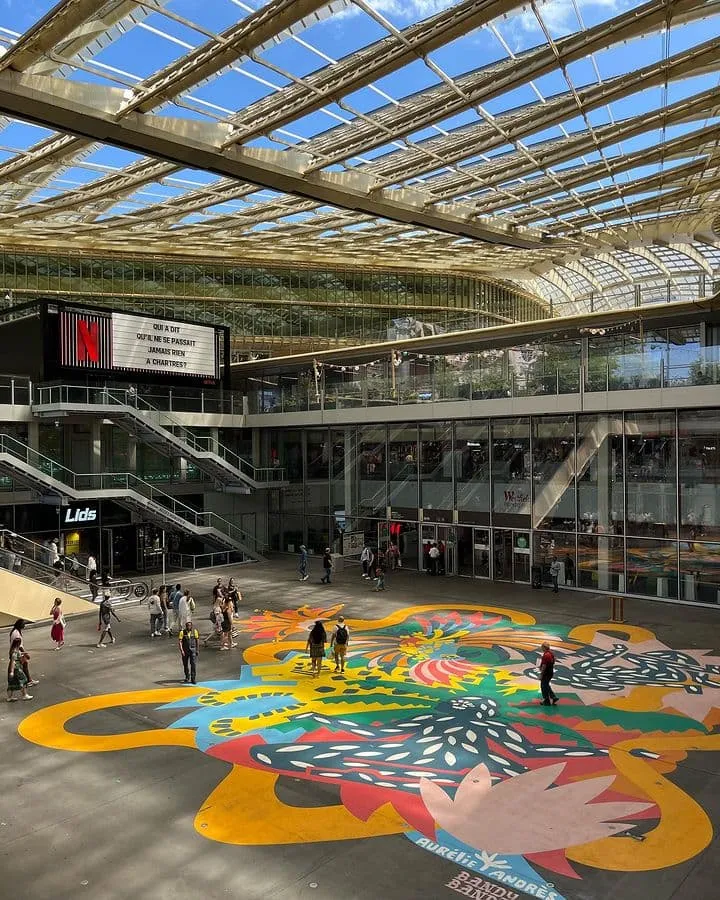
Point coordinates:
[[316, 174]]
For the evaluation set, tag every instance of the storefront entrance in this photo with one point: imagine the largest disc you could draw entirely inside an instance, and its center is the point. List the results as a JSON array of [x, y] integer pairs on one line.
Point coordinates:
[[445, 538], [511, 555], [502, 554]]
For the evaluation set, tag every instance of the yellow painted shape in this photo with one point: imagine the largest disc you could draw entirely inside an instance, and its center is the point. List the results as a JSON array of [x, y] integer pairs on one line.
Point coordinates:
[[633, 633], [46, 727], [262, 654], [244, 810], [684, 829], [400, 615]]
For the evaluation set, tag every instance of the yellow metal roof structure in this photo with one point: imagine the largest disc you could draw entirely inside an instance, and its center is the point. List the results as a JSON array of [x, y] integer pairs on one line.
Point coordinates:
[[569, 146]]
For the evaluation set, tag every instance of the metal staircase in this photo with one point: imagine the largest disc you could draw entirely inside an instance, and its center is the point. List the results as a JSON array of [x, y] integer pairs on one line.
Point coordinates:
[[25, 557], [155, 427], [49, 478]]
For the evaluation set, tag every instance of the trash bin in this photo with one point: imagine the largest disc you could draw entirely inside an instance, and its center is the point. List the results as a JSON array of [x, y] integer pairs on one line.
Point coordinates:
[[536, 577]]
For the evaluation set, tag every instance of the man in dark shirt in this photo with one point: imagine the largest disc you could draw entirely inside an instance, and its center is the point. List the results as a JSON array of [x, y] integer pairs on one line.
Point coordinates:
[[327, 565], [547, 669], [189, 641]]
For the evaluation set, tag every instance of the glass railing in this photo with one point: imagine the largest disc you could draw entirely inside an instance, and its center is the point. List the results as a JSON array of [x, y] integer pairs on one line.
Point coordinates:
[[376, 392], [194, 561], [623, 373], [128, 483], [635, 372], [48, 395], [15, 391]]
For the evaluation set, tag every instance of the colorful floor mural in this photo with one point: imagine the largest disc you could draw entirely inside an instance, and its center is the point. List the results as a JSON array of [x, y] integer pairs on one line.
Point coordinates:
[[435, 732]]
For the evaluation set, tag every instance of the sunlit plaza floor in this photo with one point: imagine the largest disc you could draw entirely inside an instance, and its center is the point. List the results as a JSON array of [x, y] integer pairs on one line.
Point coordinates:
[[427, 770]]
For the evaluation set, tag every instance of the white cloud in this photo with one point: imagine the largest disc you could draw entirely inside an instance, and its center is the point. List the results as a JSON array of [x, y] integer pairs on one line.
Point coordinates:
[[405, 10], [559, 16]]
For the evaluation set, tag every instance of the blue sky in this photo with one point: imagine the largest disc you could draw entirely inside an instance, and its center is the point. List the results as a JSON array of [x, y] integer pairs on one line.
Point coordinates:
[[159, 40]]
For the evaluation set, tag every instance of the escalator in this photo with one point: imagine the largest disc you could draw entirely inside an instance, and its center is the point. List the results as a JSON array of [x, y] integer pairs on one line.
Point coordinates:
[[50, 479], [156, 428], [573, 466]]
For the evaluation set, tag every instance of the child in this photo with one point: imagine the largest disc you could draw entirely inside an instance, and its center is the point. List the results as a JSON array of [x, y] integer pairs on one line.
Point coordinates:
[[379, 579], [57, 632]]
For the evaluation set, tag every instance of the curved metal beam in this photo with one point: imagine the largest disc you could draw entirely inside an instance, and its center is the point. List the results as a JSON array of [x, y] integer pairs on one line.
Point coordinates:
[[92, 112]]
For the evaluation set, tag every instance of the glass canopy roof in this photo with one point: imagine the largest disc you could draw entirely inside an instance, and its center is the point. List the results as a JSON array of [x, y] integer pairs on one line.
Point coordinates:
[[569, 146]]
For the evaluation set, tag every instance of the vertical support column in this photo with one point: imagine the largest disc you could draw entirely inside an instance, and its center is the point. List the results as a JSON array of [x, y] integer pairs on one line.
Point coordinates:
[[132, 454], [604, 503], [96, 449], [34, 435], [350, 483], [257, 455]]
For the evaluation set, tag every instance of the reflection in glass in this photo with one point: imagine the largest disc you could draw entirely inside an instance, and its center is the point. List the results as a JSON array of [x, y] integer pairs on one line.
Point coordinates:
[[650, 474], [699, 466], [372, 467], [554, 472], [559, 545], [699, 572], [436, 466], [652, 567], [599, 463], [472, 466], [403, 466], [318, 454], [511, 467], [600, 563]]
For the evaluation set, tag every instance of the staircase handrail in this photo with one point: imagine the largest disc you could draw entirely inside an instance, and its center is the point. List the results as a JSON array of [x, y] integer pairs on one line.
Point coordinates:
[[130, 482], [129, 398]]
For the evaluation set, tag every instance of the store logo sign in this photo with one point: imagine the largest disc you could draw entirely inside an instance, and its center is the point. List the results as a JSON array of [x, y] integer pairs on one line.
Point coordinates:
[[75, 516], [88, 341]]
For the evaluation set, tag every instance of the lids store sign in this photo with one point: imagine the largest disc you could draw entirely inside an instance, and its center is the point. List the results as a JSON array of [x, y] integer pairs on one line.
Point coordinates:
[[80, 515]]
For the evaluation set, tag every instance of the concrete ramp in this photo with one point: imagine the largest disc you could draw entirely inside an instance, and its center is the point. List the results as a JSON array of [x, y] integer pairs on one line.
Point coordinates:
[[21, 598]]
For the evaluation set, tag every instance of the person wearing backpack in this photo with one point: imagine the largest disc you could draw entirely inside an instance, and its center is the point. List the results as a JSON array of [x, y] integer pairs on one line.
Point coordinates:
[[105, 614], [155, 610], [189, 643], [339, 642]]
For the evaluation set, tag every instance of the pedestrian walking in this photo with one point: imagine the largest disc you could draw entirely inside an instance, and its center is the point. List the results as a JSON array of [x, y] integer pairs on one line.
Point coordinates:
[[339, 640], [547, 670], [218, 590], [216, 617], [366, 561], [189, 642], [91, 566], [433, 557], [379, 579], [316, 646], [555, 568], [16, 679], [303, 564], [175, 596], [16, 633], [57, 631], [165, 609], [93, 584], [235, 597], [393, 556], [155, 610], [105, 615], [327, 566], [226, 626]]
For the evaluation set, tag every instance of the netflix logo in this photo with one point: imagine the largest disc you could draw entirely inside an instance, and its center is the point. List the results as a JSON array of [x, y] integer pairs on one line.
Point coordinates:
[[85, 340]]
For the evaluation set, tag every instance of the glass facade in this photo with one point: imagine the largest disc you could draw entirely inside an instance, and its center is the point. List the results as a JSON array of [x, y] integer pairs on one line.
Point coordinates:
[[672, 357], [319, 307], [625, 502]]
